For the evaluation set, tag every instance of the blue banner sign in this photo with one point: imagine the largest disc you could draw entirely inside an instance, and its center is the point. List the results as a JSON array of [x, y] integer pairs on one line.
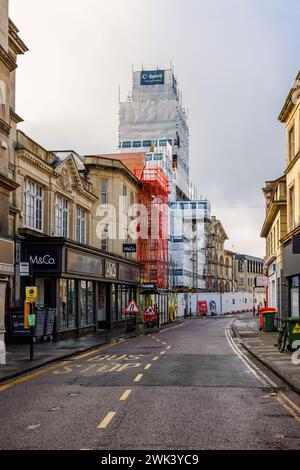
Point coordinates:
[[153, 77]]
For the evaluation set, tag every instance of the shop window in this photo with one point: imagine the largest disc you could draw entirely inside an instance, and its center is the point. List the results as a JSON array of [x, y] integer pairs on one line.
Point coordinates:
[[63, 305], [33, 205], [294, 296], [87, 308], [113, 302], [71, 304], [61, 217]]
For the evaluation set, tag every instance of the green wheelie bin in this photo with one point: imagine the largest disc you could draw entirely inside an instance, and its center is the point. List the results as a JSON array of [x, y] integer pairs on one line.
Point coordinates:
[[269, 322]]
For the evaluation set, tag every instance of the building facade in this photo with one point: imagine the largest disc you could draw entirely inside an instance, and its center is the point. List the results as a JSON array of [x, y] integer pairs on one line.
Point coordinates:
[[187, 242], [247, 270], [290, 117], [273, 230], [56, 233], [10, 47], [153, 115], [218, 260]]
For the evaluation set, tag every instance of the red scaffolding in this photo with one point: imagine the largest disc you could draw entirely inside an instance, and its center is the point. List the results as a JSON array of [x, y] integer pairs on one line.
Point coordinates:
[[152, 248], [153, 239]]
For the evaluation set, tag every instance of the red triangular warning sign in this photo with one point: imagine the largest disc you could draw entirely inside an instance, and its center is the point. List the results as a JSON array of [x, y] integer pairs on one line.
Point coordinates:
[[150, 311], [132, 307]]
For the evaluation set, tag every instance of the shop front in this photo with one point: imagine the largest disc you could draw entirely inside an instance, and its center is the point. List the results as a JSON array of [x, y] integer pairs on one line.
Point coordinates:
[[291, 272], [88, 288], [7, 271]]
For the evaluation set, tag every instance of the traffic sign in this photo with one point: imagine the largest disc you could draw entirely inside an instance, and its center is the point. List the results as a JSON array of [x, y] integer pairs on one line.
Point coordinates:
[[132, 308], [31, 294], [296, 328], [150, 312]]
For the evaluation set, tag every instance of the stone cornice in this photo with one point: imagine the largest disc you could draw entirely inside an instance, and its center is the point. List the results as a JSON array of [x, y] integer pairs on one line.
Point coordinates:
[[36, 161], [4, 127], [7, 183], [7, 59], [292, 163], [16, 44], [288, 102], [14, 116]]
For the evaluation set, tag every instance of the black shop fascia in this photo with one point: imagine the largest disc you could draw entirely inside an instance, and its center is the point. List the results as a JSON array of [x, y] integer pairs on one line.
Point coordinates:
[[88, 288]]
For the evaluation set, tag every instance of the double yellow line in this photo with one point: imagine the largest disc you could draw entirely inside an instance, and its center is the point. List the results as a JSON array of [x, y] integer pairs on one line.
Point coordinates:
[[281, 398], [45, 370]]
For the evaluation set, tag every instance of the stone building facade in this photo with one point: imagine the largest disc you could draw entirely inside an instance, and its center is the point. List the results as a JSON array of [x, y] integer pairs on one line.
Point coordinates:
[[273, 230], [10, 47], [219, 261], [88, 284]]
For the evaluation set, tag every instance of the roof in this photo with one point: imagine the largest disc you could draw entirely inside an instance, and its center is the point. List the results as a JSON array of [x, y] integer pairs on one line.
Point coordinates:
[[289, 99]]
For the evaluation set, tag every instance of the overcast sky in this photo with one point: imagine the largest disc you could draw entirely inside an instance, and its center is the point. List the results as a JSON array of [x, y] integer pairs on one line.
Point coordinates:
[[235, 61]]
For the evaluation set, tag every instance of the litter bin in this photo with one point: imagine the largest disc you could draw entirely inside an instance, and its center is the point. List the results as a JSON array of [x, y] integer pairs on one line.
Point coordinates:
[[267, 318], [294, 332]]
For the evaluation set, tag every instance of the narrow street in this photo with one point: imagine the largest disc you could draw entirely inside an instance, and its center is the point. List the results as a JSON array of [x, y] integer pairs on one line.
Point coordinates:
[[183, 388]]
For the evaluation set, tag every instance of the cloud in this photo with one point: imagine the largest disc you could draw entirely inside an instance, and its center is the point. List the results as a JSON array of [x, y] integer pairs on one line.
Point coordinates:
[[235, 62]]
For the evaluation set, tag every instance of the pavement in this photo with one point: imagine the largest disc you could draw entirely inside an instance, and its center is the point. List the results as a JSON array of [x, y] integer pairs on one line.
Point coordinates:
[[17, 355], [187, 387], [262, 346]]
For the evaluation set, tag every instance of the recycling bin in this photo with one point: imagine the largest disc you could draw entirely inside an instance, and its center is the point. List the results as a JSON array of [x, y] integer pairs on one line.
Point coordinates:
[[294, 332], [267, 318], [269, 321]]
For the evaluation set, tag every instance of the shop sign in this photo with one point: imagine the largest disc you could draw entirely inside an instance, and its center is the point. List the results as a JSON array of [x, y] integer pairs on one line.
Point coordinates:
[[24, 269], [128, 272], [152, 77], [110, 270], [43, 259], [129, 247], [84, 264], [261, 281]]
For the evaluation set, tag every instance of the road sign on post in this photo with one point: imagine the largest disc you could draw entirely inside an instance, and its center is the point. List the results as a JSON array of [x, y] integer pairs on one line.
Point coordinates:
[[132, 308], [31, 295]]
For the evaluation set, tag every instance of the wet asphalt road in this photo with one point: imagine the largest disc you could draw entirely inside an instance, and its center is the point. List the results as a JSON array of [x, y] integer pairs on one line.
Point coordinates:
[[183, 388]]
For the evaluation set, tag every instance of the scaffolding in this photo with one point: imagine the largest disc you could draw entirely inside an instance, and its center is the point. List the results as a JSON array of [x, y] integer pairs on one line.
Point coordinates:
[[153, 248]]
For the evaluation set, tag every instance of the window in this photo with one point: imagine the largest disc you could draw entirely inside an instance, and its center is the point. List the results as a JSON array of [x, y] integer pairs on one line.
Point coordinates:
[[291, 143], [125, 199], [104, 239], [87, 308], [33, 206], [104, 192], [292, 208], [61, 217], [81, 225], [131, 198]]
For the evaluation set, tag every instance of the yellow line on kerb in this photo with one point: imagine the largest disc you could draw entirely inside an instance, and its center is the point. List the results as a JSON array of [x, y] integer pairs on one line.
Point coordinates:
[[105, 422], [15, 382], [292, 412]]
